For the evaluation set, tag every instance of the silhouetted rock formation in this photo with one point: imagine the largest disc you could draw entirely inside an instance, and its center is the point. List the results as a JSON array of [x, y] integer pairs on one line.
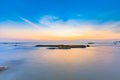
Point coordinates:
[[63, 46], [88, 45], [91, 43], [52, 48]]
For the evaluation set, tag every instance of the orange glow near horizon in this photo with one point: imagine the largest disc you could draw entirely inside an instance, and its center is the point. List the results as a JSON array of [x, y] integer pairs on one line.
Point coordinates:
[[47, 35], [70, 30]]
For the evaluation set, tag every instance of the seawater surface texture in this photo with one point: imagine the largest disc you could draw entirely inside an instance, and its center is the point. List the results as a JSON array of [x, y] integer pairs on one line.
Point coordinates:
[[101, 61]]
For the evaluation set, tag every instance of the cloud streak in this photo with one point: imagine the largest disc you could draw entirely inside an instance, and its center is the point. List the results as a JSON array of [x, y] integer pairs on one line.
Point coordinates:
[[30, 23]]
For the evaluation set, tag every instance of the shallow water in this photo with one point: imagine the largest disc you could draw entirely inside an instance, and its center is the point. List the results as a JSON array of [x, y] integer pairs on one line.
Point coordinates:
[[26, 62]]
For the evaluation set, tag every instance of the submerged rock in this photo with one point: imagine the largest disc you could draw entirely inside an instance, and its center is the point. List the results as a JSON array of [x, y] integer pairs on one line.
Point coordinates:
[[51, 48], [116, 42], [91, 43], [2, 68]]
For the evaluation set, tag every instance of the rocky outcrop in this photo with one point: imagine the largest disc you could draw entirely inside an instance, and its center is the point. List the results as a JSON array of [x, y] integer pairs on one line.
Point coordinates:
[[63, 46], [116, 42], [91, 43], [2, 68]]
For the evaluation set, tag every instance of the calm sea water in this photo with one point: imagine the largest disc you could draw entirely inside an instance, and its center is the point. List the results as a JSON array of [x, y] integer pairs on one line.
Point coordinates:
[[101, 61]]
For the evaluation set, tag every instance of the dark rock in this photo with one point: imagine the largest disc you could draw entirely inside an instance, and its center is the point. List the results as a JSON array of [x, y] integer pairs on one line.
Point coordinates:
[[2, 68], [63, 46], [78, 46], [46, 45], [116, 42], [91, 43], [88, 45], [52, 48]]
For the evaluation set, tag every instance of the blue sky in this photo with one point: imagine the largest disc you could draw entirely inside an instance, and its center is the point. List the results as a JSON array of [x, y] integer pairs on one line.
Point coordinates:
[[100, 10], [59, 19]]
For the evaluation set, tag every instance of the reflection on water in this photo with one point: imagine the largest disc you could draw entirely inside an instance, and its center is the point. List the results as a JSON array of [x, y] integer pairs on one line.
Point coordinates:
[[29, 63]]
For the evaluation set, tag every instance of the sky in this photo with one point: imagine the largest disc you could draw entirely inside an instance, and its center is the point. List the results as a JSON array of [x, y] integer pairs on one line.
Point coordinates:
[[59, 19]]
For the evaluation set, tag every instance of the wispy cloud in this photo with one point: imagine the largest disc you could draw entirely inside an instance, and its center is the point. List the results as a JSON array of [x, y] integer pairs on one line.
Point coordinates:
[[51, 27], [31, 23]]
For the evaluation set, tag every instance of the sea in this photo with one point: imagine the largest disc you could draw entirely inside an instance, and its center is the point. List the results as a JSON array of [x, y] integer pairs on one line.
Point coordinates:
[[100, 61]]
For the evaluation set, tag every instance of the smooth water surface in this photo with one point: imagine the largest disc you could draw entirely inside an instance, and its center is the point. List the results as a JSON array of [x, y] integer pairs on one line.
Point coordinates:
[[33, 63]]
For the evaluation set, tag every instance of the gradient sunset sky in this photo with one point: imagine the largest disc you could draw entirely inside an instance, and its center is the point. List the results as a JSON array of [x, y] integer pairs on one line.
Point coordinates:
[[59, 19]]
